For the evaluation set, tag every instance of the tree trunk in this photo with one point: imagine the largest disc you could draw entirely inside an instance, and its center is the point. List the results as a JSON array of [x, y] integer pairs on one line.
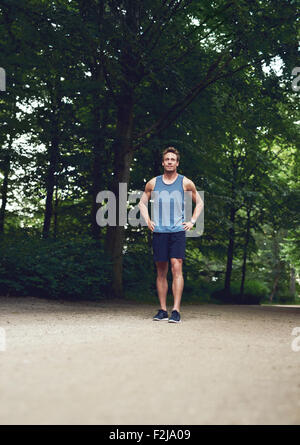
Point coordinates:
[[247, 236], [123, 152], [230, 251], [157, 170], [50, 182], [98, 160], [55, 228], [277, 267], [6, 171], [232, 214], [293, 282], [275, 286]]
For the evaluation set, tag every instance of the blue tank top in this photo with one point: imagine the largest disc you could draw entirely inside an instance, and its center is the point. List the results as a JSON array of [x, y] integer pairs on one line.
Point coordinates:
[[168, 205]]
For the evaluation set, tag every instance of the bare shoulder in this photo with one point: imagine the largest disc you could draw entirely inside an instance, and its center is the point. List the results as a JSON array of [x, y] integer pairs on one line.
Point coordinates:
[[188, 184], [150, 185]]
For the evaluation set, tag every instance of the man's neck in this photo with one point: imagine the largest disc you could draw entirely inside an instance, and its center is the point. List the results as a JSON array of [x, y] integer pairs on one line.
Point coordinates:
[[169, 176]]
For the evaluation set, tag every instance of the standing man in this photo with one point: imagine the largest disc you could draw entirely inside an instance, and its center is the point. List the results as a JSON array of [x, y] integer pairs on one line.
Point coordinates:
[[169, 228]]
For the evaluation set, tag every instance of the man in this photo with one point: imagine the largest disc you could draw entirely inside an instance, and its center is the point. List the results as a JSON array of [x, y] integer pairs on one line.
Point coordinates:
[[169, 228]]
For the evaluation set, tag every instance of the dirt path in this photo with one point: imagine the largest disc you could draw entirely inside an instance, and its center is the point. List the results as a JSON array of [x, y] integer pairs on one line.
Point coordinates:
[[109, 363]]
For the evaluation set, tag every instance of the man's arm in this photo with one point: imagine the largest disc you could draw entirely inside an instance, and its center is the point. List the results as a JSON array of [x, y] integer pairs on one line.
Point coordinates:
[[190, 186], [143, 204]]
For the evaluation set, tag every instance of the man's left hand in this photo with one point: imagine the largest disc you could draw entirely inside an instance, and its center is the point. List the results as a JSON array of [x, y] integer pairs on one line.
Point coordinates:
[[188, 225]]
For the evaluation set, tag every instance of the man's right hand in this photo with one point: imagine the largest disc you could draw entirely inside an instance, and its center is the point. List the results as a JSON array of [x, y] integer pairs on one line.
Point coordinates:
[[151, 225]]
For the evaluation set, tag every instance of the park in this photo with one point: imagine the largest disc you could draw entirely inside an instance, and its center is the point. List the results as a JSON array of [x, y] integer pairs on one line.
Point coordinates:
[[117, 100]]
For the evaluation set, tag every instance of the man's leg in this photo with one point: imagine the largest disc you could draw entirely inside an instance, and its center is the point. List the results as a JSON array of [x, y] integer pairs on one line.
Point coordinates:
[[162, 282], [178, 282]]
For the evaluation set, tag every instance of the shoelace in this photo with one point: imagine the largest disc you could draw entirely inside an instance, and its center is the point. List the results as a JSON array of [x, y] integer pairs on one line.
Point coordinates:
[[175, 314]]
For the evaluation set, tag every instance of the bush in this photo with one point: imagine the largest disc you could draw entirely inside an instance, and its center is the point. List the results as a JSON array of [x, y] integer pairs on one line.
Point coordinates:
[[285, 299], [201, 288], [254, 292], [74, 268], [139, 274]]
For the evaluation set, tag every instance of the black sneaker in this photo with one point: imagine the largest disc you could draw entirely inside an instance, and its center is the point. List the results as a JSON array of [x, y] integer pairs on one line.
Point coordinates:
[[161, 315], [175, 317]]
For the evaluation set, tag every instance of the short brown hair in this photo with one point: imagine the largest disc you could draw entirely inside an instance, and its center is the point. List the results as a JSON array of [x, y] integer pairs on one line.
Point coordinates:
[[172, 150]]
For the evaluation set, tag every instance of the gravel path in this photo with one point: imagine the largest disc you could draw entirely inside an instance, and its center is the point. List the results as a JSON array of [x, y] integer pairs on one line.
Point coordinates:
[[109, 363]]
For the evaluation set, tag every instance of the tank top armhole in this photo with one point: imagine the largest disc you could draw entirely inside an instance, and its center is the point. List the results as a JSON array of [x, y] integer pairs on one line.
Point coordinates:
[[155, 182], [182, 182]]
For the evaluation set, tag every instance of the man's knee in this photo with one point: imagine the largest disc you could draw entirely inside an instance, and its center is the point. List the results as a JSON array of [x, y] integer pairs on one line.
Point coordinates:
[[162, 269], [176, 266]]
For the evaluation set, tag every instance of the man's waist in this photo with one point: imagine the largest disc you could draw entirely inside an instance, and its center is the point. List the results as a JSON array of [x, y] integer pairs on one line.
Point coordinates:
[[168, 229]]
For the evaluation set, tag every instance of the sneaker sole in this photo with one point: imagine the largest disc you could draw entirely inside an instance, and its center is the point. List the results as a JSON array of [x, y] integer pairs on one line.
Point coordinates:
[[160, 319], [173, 321]]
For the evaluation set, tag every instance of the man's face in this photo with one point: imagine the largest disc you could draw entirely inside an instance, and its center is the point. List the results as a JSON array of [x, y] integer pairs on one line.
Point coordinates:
[[170, 162]]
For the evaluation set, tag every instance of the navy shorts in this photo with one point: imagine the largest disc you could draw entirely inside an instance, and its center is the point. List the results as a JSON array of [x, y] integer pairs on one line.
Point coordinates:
[[168, 245]]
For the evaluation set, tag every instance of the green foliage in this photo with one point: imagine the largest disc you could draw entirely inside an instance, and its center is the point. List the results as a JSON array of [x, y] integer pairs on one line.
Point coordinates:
[[285, 299], [139, 270], [200, 289], [254, 292], [68, 268], [196, 69]]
